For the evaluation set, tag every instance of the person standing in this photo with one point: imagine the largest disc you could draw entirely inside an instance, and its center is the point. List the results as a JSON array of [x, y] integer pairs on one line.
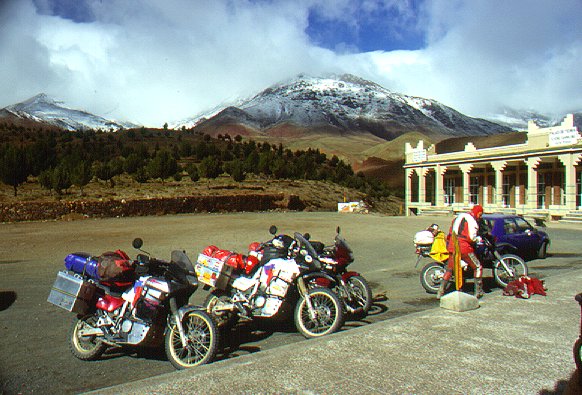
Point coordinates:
[[466, 227]]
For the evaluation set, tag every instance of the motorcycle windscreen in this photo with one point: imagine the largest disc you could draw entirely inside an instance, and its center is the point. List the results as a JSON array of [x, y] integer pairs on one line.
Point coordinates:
[[181, 259]]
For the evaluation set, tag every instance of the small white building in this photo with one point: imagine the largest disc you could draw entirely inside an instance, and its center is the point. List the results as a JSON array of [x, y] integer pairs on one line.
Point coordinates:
[[540, 177]]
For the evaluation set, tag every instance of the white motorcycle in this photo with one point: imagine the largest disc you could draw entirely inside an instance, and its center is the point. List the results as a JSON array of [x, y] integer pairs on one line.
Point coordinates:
[[278, 280]]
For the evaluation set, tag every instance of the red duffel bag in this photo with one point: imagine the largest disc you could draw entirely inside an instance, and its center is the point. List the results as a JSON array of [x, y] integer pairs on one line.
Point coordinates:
[[115, 266], [230, 258]]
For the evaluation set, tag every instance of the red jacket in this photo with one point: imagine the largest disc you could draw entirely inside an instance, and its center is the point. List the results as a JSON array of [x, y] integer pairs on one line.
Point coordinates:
[[466, 228]]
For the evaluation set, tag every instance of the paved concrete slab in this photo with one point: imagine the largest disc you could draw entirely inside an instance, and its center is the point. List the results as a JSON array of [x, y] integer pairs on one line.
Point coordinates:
[[507, 346]]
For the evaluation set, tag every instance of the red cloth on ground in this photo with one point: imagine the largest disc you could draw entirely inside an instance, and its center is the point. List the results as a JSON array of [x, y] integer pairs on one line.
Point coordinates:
[[524, 287]]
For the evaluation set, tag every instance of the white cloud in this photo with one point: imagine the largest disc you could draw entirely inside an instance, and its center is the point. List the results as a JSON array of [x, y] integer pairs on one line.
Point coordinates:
[[484, 54], [151, 62]]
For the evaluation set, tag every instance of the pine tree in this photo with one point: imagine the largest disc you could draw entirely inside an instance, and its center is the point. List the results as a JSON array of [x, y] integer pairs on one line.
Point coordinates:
[[14, 169]]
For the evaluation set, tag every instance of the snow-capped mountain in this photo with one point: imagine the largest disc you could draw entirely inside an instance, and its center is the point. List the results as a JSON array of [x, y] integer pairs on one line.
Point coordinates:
[[349, 103], [518, 119], [42, 108]]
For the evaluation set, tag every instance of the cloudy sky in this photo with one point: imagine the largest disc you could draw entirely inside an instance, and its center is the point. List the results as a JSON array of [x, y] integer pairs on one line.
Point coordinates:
[[152, 61]]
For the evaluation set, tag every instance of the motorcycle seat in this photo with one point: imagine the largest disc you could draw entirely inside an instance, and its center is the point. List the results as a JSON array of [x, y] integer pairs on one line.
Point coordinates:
[[116, 288]]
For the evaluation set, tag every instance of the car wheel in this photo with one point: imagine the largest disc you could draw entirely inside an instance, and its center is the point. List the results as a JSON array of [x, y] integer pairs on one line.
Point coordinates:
[[543, 251]]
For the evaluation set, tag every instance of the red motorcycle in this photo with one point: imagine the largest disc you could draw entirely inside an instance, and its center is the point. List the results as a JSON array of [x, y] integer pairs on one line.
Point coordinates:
[[144, 303], [350, 286]]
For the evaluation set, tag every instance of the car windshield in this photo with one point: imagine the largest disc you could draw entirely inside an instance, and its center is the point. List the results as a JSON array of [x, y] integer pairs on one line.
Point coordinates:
[[486, 225], [522, 224]]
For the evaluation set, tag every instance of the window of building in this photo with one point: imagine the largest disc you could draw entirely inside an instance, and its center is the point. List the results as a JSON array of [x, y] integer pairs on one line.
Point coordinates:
[[474, 190]]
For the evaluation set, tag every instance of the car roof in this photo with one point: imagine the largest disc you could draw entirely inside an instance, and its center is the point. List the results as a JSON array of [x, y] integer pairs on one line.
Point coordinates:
[[499, 215]]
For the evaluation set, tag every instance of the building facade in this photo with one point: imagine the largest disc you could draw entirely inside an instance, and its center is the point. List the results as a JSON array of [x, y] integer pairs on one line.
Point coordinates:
[[539, 178]]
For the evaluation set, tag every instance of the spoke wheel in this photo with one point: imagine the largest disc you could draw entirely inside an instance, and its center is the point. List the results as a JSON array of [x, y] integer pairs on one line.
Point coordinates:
[[431, 277], [516, 266], [201, 341], [225, 320], [86, 348], [359, 298], [328, 313]]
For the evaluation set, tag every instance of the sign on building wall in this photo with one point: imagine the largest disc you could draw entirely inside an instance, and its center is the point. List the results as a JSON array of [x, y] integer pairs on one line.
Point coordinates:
[[563, 137], [419, 155]]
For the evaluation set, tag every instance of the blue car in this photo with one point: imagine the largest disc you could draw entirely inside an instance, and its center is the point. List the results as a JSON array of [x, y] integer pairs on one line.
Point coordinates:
[[530, 243]]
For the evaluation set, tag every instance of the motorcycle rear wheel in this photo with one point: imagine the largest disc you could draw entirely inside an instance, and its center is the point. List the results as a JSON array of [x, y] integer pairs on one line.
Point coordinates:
[[515, 263], [202, 341], [329, 315], [431, 277], [225, 320], [86, 348], [359, 300]]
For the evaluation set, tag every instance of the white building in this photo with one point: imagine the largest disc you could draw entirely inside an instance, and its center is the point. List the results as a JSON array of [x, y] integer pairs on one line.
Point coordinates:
[[540, 177]]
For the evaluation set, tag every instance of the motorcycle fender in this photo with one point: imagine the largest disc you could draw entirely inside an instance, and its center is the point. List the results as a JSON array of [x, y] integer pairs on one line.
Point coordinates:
[[347, 275], [182, 311], [319, 275]]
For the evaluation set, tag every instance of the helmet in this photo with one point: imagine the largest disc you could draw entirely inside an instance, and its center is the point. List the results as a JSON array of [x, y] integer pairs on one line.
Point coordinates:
[[434, 227], [476, 210]]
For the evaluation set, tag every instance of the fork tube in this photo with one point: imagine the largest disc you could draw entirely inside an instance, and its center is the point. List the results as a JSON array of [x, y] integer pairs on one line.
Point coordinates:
[[303, 291], [174, 310], [507, 269]]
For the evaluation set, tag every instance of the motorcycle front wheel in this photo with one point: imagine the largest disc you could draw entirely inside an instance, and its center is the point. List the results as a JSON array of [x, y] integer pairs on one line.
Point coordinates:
[[201, 341], [327, 317], [86, 348], [517, 268], [431, 277], [359, 299]]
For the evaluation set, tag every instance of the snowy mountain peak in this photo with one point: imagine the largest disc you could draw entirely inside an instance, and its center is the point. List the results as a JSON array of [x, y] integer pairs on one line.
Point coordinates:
[[350, 103], [43, 108]]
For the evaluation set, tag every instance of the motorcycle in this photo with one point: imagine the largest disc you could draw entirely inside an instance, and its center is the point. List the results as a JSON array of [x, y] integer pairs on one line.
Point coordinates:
[[350, 286], [145, 307], [506, 267], [278, 281]]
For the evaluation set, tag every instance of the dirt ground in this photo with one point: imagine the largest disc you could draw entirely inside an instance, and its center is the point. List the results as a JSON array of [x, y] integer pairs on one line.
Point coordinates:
[[34, 334]]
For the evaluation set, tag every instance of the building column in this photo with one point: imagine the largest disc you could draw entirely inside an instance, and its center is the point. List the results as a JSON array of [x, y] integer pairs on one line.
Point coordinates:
[[532, 182], [439, 185], [422, 172], [570, 161], [407, 189], [499, 166], [466, 169]]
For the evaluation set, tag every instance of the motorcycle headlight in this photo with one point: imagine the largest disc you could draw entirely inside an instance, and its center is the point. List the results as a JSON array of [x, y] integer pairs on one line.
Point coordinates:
[[308, 258]]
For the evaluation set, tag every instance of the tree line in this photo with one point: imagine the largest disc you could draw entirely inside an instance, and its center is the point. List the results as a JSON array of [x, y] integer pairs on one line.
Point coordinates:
[[62, 159]]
